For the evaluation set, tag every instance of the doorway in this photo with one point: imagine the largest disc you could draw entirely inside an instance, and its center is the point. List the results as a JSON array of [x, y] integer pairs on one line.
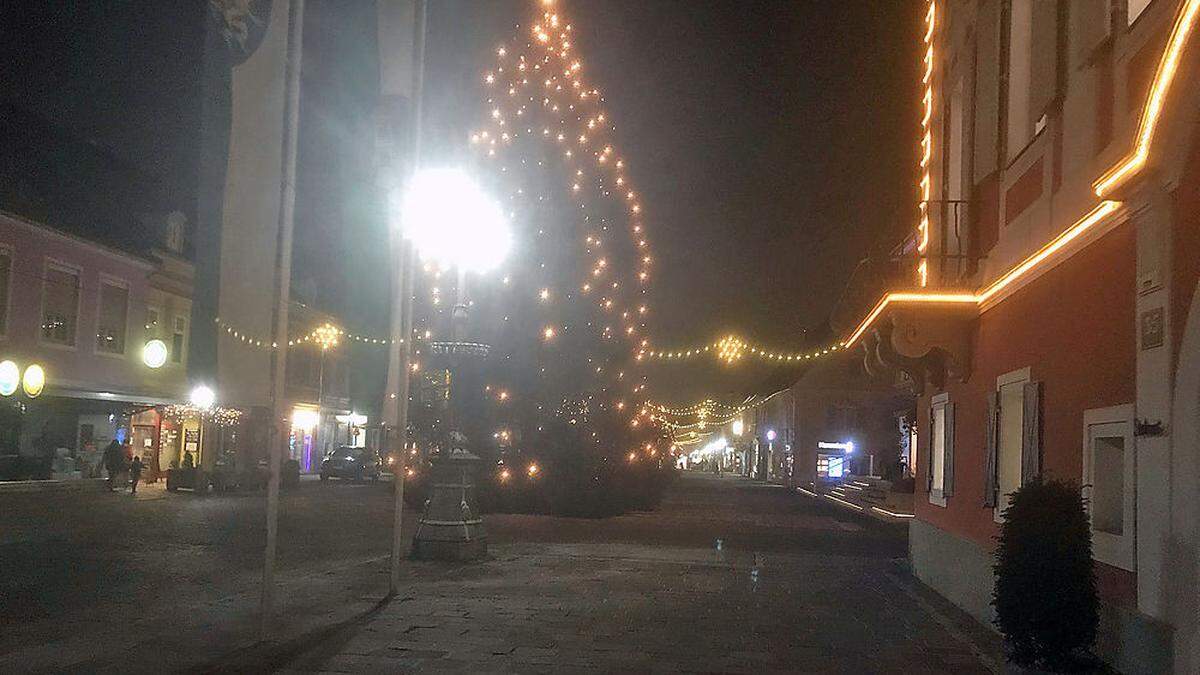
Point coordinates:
[[1110, 484]]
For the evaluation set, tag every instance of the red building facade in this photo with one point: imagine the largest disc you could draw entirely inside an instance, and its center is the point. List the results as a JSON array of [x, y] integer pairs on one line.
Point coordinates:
[[1050, 319]]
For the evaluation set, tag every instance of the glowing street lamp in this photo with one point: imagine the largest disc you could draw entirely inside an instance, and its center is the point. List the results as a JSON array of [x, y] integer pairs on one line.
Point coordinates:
[[765, 472], [10, 378], [326, 336], [154, 354], [450, 222], [34, 380]]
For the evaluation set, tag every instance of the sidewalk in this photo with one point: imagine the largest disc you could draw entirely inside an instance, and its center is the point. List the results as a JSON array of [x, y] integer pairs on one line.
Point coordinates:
[[797, 601], [621, 608]]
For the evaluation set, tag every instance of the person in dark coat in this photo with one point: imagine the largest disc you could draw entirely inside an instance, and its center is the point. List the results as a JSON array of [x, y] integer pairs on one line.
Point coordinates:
[[135, 474], [114, 461]]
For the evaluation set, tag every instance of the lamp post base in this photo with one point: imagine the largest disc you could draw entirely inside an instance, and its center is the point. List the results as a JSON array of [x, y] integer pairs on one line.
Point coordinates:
[[451, 527], [452, 551]]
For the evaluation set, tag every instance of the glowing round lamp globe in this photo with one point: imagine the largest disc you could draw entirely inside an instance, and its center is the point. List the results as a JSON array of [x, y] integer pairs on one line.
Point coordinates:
[[10, 378], [770, 434], [34, 380], [154, 354], [451, 222], [203, 397]]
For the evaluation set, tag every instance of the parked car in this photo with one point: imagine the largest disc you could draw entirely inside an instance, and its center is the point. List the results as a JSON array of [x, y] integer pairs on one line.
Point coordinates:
[[351, 463]]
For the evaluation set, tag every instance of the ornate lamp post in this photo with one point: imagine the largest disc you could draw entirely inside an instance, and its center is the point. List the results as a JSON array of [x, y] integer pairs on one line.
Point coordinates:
[[326, 336], [449, 220]]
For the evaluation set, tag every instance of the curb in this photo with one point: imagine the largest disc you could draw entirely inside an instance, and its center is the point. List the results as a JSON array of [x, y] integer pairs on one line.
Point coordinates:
[[873, 511], [73, 485]]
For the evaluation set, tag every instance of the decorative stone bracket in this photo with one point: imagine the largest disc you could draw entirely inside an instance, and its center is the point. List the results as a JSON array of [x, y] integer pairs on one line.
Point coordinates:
[[929, 343]]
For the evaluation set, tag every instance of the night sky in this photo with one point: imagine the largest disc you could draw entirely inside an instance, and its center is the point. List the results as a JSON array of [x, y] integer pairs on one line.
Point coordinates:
[[773, 142]]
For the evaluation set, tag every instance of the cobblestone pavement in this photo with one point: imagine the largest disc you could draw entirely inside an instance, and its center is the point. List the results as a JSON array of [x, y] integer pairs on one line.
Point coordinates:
[[162, 583], [796, 586]]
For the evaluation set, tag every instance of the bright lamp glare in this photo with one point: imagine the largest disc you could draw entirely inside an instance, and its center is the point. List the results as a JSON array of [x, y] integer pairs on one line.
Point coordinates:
[[203, 397], [452, 222], [10, 378], [154, 354]]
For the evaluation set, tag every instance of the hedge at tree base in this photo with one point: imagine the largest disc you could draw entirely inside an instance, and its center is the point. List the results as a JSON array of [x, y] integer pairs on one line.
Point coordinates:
[[1045, 594], [562, 491]]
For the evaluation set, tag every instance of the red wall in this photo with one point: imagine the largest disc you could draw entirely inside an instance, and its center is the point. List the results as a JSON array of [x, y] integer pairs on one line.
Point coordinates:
[[1074, 328]]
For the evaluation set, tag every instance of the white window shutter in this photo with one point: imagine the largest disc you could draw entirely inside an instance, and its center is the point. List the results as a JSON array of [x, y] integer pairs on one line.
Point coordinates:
[[991, 427], [948, 452], [929, 455], [1031, 433]]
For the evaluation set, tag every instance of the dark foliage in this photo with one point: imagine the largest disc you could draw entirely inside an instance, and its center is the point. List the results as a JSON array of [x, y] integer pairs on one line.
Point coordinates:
[[589, 467], [1045, 594]]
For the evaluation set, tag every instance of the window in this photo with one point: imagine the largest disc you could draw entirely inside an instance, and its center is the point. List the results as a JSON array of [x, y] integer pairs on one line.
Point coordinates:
[[112, 318], [60, 305], [179, 340], [955, 213], [1014, 437], [5, 277], [151, 322], [1019, 126], [1031, 73], [1012, 408], [941, 450], [1105, 91], [955, 145], [1108, 482], [912, 451]]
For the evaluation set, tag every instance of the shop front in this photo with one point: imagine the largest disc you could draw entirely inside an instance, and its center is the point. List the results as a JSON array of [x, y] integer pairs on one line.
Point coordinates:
[[350, 429], [302, 440], [833, 460], [315, 432]]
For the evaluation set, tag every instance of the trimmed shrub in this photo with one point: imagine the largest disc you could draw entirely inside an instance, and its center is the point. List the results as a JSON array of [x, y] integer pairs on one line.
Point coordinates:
[[1045, 593]]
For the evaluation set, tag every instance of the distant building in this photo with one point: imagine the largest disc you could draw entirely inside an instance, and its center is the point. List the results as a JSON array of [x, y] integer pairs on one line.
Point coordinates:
[[317, 393], [774, 432], [84, 312], [845, 423]]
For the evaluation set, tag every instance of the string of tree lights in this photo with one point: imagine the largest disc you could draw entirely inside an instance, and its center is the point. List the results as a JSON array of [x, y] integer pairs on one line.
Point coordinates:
[[581, 285]]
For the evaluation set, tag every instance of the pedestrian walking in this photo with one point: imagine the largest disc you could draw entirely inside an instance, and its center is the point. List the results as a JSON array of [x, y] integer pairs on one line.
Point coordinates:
[[114, 461], [135, 474]]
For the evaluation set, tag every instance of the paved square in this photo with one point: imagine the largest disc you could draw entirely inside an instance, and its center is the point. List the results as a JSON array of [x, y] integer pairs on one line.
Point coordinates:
[[797, 586], [170, 583]]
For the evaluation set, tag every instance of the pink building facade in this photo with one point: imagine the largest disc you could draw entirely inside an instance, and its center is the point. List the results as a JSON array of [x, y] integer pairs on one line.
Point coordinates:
[[84, 312]]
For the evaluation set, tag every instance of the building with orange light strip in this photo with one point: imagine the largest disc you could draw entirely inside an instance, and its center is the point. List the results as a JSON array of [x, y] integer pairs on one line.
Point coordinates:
[[1052, 326]]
